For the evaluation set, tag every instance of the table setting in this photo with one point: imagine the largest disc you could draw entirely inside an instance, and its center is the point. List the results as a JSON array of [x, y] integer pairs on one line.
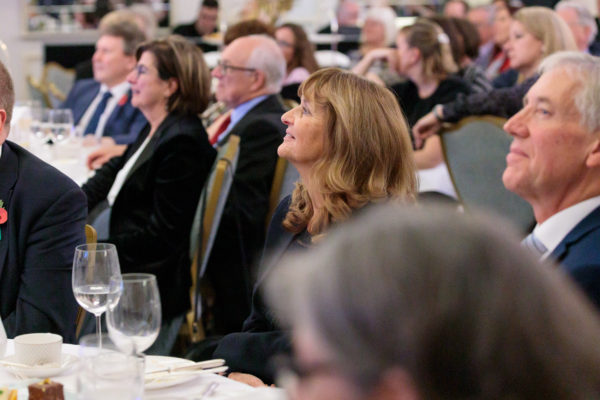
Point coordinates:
[[112, 365]]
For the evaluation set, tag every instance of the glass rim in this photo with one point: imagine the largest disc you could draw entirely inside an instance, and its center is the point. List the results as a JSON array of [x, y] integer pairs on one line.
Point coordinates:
[[98, 247], [136, 277]]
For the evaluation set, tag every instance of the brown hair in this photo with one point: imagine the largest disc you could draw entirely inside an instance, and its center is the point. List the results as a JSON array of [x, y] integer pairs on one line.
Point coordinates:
[[367, 156], [178, 58], [304, 52], [247, 28], [7, 95], [125, 29], [434, 46]]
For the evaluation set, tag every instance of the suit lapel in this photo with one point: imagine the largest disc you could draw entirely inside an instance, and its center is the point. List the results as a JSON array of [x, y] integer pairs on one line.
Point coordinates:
[[84, 101], [149, 149], [589, 223], [9, 167]]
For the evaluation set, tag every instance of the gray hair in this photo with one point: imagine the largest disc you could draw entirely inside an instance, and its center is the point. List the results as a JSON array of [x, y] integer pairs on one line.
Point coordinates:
[[584, 16], [451, 299], [386, 17], [584, 69], [268, 58], [490, 9]]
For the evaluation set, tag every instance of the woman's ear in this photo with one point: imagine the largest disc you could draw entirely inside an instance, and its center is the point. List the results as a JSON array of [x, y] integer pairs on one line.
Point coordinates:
[[395, 384], [172, 86]]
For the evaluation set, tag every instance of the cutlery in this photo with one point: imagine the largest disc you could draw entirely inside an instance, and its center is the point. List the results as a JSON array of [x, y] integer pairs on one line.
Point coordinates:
[[164, 374], [202, 365]]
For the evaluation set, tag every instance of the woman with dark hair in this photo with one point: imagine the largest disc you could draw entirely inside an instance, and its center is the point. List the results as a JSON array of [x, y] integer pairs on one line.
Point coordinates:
[[406, 303], [298, 52], [150, 193], [350, 144]]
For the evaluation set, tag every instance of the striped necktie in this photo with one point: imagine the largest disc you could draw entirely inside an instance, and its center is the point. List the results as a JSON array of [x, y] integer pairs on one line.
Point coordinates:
[[93, 124]]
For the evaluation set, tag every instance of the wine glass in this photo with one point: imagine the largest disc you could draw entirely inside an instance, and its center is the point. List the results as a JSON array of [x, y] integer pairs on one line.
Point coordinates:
[[3, 339], [94, 265], [62, 124], [134, 312]]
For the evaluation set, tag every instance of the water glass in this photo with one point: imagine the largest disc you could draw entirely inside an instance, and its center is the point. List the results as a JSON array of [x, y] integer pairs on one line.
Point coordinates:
[[62, 125], [134, 311], [107, 373], [94, 265]]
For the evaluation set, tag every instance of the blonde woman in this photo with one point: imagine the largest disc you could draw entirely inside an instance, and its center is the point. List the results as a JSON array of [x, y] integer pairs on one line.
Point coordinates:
[[349, 142], [535, 32]]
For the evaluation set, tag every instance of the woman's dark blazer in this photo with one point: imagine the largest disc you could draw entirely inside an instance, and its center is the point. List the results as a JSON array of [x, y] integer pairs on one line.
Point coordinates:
[[152, 214], [249, 351]]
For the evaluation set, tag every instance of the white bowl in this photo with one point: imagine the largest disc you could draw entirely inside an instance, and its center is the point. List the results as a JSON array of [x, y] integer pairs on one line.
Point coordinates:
[[38, 348]]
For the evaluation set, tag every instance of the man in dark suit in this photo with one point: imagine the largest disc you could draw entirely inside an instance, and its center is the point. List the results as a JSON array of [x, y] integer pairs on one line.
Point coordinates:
[[42, 218], [102, 106], [204, 25], [554, 164], [250, 75]]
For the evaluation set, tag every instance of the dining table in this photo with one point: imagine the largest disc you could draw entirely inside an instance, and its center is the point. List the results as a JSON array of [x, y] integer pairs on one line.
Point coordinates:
[[194, 387]]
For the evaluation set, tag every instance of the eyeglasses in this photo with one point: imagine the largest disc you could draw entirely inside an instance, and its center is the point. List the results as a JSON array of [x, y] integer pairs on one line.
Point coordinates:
[[141, 69], [224, 67], [283, 43]]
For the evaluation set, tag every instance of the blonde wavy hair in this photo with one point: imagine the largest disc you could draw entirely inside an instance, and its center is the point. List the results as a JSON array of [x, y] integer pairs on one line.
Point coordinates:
[[434, 46], [548, 27], [367, 155]]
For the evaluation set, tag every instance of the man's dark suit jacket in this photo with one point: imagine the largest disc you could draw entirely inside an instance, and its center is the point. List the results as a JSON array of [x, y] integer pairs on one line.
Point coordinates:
[[249, 351], [579, 254], [242, 229], [152, 215], [124, 123], [46, 219]]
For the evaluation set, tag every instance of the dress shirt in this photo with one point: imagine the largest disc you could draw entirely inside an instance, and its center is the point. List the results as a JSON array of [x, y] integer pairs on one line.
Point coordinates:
[[238, 113], [122, 174], [552, 231], [117, 92]]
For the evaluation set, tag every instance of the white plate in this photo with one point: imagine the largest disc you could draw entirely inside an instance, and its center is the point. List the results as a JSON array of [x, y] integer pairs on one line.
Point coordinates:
[[40, 371], [154, 363]]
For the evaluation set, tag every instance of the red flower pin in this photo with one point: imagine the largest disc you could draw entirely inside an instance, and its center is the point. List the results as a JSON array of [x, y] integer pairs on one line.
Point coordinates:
[[3, 215], [123, 100]]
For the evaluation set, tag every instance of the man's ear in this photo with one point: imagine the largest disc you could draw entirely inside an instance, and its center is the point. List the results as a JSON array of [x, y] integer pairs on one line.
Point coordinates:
[[259, 81], [593, 158], [131, 62], [3, 116]]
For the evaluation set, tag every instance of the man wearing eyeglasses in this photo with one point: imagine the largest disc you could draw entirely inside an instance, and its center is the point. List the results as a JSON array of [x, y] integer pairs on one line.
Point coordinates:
[[102, 106], [250, 74]]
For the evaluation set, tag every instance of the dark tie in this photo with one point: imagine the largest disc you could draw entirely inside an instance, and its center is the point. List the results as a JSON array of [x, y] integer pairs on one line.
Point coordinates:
[[93, 124], [221, 129], [534, 244]]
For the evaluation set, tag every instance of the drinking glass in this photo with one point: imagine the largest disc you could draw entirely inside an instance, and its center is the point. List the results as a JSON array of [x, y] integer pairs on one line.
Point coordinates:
[[62, 124], [40, 125], [93, 267], [134, 312], [3, 339], [107, 373]]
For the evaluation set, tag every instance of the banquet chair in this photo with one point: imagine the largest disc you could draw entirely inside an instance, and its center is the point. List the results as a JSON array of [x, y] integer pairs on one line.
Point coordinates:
[[204, 229], [284, 181], [91, 236], [59, 79], [475, 152]]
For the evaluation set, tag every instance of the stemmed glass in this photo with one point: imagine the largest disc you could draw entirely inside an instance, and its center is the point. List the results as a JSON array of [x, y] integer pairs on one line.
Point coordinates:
[[93, 267], [62, 124], [134, 312]]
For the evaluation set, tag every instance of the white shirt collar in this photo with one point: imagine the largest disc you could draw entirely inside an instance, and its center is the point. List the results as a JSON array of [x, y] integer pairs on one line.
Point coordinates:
[[552, 231], [117, 91]]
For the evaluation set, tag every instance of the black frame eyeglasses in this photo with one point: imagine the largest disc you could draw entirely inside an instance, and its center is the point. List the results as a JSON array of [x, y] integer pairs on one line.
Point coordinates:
[[224, 67]]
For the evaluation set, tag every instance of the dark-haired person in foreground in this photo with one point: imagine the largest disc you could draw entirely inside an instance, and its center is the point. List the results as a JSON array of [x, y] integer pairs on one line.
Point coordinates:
[[42, 218]]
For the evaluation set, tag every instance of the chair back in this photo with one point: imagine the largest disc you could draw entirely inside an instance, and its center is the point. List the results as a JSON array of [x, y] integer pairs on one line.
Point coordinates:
[[90, 237], [284, 182], [59, 79], [206, 223], [475, 151]]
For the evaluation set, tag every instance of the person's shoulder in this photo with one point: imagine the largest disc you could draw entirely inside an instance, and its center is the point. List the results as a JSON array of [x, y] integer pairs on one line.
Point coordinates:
[[39, 177], [85, 84], [454, 84]]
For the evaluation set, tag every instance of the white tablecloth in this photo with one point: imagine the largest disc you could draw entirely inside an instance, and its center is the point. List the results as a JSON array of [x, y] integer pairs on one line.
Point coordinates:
[[226, 389]]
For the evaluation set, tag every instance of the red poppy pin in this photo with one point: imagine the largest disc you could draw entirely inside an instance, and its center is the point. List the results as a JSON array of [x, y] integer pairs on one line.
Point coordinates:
[[123, 100], [3, 215]]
